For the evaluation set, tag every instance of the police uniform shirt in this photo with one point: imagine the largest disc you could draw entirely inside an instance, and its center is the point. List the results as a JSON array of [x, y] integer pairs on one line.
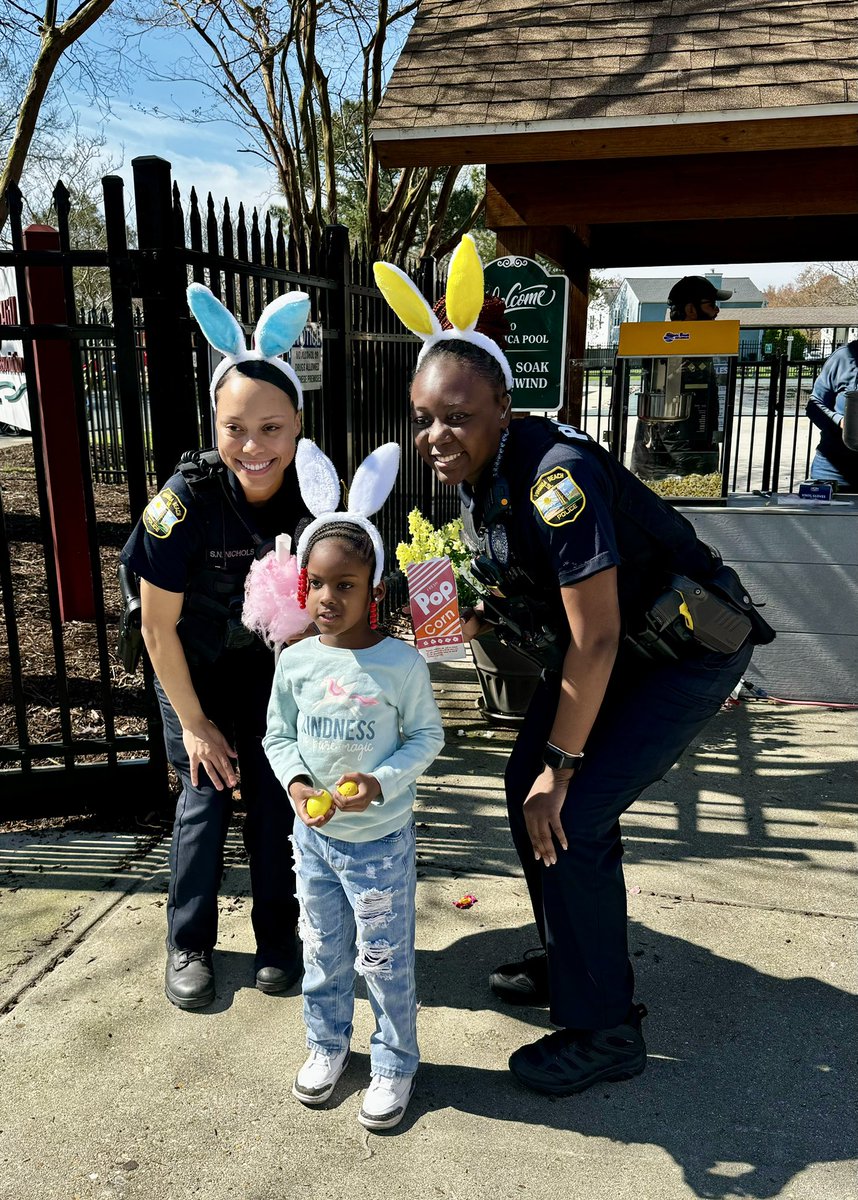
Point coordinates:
[[187, 528], [576, 512]]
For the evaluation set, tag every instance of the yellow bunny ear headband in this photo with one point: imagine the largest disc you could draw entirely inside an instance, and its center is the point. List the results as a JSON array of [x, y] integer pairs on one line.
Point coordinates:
[[464, 302]]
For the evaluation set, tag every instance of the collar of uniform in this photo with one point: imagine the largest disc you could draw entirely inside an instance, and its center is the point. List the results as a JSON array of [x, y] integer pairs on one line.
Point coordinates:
[[466, 496]]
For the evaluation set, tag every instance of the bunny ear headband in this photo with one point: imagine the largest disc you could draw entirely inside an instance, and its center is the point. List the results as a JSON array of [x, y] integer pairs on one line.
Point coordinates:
[[277, 330], [320, 489], [464, 300]]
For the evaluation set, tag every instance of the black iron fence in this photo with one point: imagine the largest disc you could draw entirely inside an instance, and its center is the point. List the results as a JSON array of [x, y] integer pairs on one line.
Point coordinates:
[[138, 393], [770, 443], [137, 396]]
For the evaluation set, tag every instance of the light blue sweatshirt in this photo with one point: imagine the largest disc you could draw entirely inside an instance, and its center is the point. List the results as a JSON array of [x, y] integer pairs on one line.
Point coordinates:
[[333, 711]]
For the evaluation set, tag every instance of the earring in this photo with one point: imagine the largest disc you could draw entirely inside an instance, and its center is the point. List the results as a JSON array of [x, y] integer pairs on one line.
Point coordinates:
[[373, 615], [301, 593]]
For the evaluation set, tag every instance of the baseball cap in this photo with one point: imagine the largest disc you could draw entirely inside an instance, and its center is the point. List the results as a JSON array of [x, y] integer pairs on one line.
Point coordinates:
[[696, 287]]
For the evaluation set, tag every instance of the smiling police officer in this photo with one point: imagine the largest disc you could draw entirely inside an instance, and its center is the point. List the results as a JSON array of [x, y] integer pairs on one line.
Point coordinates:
[[192, 550], [641, 639]]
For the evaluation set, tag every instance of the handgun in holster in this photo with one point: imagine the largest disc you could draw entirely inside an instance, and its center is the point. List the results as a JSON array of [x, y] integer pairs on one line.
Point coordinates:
[[130, 645]]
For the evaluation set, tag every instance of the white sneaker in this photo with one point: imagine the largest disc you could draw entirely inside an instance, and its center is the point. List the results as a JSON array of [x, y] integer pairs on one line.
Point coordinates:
[[318, 1076], [385, 1101]]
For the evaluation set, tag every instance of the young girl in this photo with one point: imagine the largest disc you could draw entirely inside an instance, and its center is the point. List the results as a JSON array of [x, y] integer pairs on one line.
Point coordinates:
[[352, 717]]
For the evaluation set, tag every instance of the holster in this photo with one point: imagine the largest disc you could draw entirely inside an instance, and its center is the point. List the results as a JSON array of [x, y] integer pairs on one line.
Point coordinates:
[[718, 616], [130, 644]]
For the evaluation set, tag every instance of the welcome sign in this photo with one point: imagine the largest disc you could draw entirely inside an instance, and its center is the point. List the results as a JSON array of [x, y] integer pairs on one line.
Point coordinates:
[[537, 305]]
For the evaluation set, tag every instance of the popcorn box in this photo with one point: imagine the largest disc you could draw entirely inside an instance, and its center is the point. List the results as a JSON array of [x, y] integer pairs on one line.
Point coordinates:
[[435, 609]]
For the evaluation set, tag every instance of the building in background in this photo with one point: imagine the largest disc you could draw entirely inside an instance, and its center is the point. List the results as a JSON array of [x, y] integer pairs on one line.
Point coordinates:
[[646, 299]]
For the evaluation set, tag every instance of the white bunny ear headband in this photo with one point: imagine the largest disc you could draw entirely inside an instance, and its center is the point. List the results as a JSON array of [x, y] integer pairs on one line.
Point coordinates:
[[464, 301], [320, 490], [277, 330]]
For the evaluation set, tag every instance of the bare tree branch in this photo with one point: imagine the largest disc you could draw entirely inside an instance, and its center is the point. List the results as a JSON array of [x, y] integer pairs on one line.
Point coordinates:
[[55, 40]]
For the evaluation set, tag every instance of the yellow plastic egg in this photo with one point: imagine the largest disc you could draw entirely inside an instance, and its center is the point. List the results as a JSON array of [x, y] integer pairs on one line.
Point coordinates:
[[349, 788], [317, 806]]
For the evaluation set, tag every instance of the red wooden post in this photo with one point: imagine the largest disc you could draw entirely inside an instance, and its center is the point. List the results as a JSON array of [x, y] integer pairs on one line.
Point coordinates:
[[61, 448]]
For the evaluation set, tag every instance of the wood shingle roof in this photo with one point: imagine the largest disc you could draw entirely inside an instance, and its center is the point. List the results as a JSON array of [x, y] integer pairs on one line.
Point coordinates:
[[469, 63]]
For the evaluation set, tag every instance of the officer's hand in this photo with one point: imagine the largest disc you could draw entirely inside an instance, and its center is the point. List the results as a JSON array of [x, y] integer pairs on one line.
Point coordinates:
[[542, 814], [207, 747], [474, 622], [368, 789], [300, 793]]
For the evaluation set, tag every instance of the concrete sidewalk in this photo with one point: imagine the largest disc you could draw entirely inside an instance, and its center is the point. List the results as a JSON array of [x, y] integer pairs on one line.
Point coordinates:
[[740, 870]]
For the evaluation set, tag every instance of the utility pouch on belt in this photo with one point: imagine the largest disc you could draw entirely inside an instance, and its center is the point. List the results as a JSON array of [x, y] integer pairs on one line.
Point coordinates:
[[130, 646]]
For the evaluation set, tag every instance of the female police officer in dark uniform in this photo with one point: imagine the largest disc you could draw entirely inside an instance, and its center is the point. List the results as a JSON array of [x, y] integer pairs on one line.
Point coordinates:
[[581, 549], [192, 550]]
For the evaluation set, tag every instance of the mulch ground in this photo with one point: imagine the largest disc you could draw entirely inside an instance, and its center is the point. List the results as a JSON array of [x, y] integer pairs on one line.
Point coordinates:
[[23, 533], [27, 620]]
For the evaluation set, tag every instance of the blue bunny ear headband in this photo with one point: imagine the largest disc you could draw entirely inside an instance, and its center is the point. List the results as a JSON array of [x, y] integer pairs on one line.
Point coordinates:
[[277, 330], [464, 302], [320, 491]]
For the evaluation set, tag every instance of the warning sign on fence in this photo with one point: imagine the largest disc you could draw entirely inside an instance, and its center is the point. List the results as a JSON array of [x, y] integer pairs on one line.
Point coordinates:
[[306, 357]]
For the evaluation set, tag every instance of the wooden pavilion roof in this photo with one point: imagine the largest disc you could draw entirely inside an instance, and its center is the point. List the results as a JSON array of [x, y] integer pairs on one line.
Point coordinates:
[[475, 73]]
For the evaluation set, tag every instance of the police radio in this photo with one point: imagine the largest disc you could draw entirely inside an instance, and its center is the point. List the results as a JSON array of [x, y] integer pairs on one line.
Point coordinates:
[[195, 465]]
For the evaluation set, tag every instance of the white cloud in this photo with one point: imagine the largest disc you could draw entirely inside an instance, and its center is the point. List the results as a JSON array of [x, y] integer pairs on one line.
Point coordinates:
[[206, 157]]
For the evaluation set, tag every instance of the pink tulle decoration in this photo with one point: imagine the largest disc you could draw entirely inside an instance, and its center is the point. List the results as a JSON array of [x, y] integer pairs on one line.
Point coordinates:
[[271, 606]]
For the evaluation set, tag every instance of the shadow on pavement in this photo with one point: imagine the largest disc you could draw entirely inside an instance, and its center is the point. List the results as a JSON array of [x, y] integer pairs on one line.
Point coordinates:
[[746, 1084]]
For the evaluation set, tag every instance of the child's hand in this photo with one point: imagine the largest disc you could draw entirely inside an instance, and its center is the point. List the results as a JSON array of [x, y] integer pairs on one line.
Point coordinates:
[[300, 793], [368, 789]]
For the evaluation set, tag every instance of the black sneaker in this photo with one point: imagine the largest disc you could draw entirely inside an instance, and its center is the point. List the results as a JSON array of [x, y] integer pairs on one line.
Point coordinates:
[[571, 1060], [189, 978], [524, 982]]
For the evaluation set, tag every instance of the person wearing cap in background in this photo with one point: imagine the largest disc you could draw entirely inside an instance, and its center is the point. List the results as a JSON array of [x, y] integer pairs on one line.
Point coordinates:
[[688, 446]]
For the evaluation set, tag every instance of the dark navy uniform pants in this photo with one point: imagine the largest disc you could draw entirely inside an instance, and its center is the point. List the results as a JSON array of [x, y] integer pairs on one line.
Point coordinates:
[[649, 716], [234, 694]]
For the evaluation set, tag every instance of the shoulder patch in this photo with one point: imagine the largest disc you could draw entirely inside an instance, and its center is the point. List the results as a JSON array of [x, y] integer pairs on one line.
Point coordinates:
[[557, 498], [163, 513]]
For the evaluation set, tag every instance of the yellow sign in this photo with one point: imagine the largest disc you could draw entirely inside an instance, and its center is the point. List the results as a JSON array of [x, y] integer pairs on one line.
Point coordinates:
[[684, 339]]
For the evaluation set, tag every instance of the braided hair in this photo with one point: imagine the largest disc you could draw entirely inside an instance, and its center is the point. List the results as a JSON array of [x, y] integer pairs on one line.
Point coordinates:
[[358, 541], [493, 322]]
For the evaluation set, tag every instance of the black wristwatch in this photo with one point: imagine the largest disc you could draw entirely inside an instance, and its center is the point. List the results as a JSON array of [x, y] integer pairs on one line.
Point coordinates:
[[561, 760]]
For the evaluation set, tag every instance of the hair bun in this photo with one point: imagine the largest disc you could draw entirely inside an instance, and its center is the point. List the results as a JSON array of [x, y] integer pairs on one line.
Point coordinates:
[[492, 320]]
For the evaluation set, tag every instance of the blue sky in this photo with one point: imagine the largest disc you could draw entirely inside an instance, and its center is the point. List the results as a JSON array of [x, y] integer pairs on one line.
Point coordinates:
[[209, 156]]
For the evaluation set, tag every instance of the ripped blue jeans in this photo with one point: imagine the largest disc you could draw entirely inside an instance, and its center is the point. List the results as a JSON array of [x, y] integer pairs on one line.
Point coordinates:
[[357, 902]]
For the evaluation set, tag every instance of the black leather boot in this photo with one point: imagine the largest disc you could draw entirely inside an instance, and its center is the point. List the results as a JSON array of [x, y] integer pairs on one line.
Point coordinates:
[[189, 978], [280, 975]]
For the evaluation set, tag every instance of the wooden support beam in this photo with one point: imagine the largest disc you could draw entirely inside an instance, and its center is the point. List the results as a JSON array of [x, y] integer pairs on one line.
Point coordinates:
[[567, 248], [783, 183], [559, 244], [486, 145]]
